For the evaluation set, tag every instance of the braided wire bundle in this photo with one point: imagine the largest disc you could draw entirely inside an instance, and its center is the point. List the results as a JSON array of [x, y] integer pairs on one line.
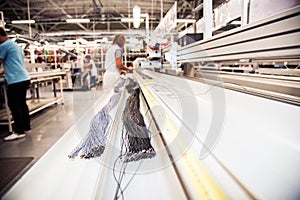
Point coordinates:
[[137, 143], [93, 144]]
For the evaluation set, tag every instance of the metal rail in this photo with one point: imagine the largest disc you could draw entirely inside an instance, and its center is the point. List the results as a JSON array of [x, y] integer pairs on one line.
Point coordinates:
[[279, 88], [276, 37]]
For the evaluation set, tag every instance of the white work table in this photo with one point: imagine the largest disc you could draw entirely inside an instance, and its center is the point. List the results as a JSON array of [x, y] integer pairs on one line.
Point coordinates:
[[35, 102]]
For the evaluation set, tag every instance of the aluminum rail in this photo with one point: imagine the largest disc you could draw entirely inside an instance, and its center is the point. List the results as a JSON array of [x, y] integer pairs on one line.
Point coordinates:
[[276, 37], [280, 88]]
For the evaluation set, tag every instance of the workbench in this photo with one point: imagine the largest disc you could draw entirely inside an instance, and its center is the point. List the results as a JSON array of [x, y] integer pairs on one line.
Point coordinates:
[[36, 101]]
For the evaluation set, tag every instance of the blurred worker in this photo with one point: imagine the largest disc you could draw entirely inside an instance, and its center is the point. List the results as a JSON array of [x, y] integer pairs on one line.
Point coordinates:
[[114, 66], [89, 70], [18, 80]]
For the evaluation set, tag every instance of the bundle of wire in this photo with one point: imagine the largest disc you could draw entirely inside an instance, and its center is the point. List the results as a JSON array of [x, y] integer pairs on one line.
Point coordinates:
[[94, 143], [137, 136]]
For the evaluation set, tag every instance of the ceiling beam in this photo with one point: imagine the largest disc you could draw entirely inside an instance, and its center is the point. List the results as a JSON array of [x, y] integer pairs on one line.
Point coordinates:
[[4, 3], [13, 6], [36, 15], [65, 13], [121, 23], [59, 8], [24, 27]]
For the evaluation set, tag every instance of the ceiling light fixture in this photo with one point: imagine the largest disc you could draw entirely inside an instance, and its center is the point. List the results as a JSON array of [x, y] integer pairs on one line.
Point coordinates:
[[235, 22], [22, 21], [185, 20], [130, 20], [80, 20], [136, 16]]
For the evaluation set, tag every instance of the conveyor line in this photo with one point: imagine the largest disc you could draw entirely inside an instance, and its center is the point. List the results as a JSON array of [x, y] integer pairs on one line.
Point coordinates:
[[273, 149], [253, 131], [55, 176], [145, 179], [194, 177]]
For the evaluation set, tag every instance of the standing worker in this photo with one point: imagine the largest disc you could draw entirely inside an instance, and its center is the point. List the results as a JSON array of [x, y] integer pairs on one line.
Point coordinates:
[[114, 63], [18, 80], [89, 69]]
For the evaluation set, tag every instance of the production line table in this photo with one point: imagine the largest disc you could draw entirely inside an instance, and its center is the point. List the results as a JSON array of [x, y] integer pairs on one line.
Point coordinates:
[[97, 178], [252, 139], [35, 102], [224, 144]]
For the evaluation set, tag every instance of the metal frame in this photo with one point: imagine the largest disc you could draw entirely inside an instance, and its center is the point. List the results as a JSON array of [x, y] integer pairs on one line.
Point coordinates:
[[276, 37]]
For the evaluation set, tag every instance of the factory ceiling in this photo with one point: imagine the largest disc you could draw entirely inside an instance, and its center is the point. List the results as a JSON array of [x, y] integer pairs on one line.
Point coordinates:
[[105, 15]]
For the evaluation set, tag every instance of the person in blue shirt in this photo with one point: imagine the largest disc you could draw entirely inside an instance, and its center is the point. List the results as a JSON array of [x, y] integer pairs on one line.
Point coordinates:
[[18, 80]]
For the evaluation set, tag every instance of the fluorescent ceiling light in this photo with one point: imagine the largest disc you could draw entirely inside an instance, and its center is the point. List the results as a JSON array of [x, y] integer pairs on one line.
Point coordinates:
[[80, 20], [130, 20], [22, 21], [236, 22], [82, 41], [60, 43], [136, 16], [185, 20]]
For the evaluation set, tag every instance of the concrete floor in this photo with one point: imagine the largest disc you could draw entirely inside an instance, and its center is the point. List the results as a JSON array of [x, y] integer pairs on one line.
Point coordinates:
[[48, 126]]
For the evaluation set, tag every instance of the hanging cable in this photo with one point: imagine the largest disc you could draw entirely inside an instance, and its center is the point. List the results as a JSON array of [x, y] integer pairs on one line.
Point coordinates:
[[137, 134], [94, 143]]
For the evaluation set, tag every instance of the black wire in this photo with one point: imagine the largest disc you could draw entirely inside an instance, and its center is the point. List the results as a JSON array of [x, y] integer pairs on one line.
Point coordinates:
[[123, 152], [119, 179], [146, 111], [131, 178], [135, 173]]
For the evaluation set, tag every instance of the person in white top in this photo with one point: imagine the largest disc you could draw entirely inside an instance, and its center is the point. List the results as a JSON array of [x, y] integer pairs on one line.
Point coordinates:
[[89, 68], [114, 66]]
